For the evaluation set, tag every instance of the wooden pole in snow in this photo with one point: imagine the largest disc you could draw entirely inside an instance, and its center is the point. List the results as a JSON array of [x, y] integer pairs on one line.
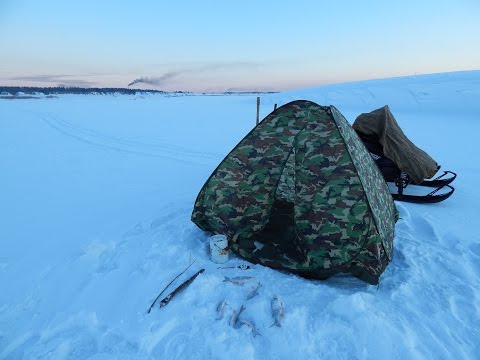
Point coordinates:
[[258, 109]]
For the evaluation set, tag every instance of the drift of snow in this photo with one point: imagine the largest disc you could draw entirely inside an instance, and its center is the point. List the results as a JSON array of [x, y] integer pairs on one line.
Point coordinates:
[[97, 193]]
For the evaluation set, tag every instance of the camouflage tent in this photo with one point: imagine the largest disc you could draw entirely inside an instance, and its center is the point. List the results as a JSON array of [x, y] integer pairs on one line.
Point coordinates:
[[301, 193]]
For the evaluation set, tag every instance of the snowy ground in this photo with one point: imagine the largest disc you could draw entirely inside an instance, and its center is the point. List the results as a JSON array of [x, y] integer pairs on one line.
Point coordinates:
[[96, 197]]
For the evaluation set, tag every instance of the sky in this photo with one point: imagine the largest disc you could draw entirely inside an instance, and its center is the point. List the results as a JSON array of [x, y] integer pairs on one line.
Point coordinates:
[[232, 45]]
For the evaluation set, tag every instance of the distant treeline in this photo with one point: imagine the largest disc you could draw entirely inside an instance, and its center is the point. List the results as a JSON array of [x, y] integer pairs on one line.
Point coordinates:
[[19, 90]]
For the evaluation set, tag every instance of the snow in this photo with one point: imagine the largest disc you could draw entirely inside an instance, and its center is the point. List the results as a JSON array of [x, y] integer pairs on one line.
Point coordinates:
[[97, 193]]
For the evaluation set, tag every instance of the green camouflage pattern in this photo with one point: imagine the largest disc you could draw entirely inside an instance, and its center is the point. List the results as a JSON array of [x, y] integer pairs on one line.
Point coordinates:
[[343, 215], [383, 208]]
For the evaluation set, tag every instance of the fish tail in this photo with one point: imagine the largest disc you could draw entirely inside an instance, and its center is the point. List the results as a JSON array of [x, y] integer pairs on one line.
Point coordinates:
[[276, 323]]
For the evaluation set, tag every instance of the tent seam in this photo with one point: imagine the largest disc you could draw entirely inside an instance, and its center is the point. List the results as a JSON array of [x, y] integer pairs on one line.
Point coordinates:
[[361, 183]]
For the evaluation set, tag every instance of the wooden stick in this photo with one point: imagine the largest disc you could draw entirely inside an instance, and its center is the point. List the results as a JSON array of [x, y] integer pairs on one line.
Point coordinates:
[[258, 109], [170, 283]]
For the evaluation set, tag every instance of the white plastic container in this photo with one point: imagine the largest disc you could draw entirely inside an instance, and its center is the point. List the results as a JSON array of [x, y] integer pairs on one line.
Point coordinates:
[[219, 249]]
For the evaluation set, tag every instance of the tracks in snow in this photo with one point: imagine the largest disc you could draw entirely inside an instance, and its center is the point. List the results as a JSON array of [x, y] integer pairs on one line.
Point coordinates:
[[109, 142]]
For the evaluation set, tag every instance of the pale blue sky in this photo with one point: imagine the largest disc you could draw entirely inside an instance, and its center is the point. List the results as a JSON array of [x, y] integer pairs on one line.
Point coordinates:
[[221, 45]]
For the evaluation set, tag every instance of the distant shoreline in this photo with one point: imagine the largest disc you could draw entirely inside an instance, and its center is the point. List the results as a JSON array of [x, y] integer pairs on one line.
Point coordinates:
[[21, 92]]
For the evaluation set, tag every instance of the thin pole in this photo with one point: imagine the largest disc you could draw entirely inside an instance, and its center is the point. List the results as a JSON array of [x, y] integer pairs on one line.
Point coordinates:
[[258, 109], [274, 107], [170, 283]]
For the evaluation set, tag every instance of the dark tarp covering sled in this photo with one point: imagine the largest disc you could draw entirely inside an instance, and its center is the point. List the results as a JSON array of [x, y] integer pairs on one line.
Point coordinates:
[[382, 125], [301, 193]]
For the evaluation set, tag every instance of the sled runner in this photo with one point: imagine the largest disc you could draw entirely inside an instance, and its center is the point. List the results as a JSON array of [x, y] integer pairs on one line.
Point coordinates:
[[441, 192]]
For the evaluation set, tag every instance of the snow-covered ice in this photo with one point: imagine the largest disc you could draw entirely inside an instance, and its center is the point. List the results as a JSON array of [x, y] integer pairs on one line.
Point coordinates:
[[96, 198]]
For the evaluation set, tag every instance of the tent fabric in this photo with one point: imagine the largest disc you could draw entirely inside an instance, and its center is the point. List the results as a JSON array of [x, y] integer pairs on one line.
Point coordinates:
[[396, 146], [301, 193]]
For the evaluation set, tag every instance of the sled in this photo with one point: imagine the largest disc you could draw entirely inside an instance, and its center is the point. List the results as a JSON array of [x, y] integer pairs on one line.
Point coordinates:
[[400, 161], [399, 180]]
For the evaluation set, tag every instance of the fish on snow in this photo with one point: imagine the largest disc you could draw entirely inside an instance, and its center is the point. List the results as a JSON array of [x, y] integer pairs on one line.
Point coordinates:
[[221, 309], [277, 311], [239, 280], [251, 325], [253, 291], [235, 316]]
